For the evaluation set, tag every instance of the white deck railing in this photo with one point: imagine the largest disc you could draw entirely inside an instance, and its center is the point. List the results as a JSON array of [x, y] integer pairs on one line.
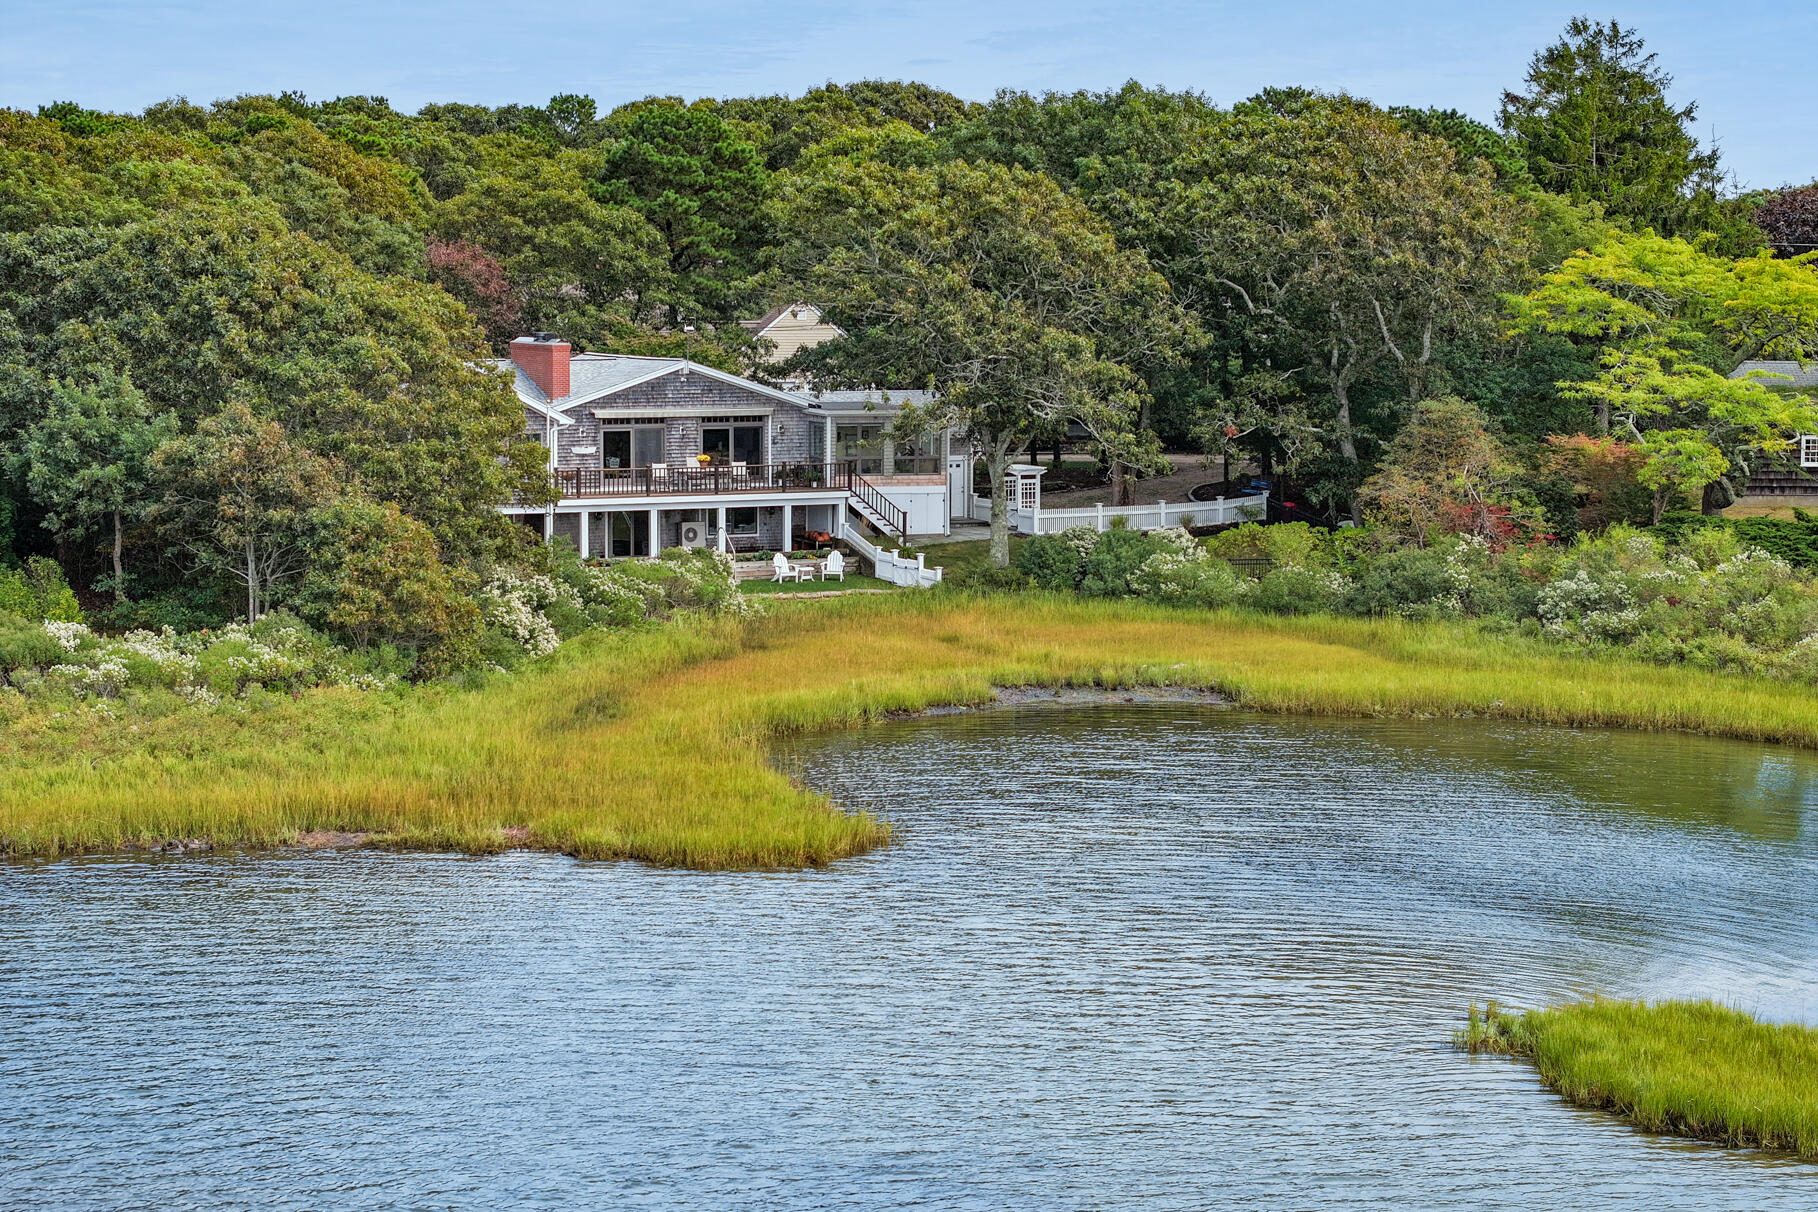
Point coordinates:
[[1042, 520], [891, 566]]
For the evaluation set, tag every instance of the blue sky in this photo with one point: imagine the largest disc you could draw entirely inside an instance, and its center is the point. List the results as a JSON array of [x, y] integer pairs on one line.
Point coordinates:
[[1742, 60]]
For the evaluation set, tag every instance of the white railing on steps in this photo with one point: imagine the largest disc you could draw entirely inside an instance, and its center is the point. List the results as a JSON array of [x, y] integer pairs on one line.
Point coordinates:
[[891, 566]]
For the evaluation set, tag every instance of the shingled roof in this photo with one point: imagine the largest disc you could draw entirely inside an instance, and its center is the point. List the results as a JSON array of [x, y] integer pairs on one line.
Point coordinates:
[[1796, 375]]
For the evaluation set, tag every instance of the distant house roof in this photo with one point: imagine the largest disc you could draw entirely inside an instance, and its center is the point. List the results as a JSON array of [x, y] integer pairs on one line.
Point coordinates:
[[797, 310], [869, 397], [764, 321], [1796, 375]]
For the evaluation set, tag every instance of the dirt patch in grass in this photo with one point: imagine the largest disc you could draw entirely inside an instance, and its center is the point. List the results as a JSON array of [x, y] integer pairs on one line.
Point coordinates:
[[331, 839]]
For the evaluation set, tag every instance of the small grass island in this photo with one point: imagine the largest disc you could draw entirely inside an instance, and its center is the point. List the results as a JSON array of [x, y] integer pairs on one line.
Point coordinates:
[[1686, 1068]]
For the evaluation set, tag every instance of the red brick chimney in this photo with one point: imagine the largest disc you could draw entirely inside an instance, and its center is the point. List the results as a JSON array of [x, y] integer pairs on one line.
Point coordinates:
[[545, 359]]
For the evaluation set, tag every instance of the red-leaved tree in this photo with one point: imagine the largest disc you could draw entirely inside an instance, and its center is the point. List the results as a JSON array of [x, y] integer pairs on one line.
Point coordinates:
[[475, 277], [1789, 220]]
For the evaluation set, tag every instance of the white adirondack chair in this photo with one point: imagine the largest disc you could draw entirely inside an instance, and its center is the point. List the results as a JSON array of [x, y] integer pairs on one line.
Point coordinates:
[[782, 569], [834, 567]]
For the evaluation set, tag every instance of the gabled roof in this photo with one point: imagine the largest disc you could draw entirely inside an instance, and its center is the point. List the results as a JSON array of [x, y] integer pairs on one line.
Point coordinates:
[[1796, 375], [594, 377], [763, 323]]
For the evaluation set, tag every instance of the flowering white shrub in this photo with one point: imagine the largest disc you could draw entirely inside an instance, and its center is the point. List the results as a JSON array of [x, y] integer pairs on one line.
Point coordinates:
[[1465, 565], [161, 649], [1589, 608], [1083, 540], [1176, 540], [200, 666], [1188, 579], [515, 604], [70, 636], [106, 678]]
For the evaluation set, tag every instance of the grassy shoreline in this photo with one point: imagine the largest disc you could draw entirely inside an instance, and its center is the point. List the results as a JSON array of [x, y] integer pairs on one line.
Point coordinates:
[[651, 744], [1693, 1069]]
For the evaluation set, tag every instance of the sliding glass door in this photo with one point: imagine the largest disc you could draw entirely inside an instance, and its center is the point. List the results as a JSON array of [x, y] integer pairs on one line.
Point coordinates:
[[631, 446]]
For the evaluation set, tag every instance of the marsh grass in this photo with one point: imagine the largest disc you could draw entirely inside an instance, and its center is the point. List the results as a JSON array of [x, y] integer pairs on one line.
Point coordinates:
[[1692, 1069], [854, 580], [651, 744]]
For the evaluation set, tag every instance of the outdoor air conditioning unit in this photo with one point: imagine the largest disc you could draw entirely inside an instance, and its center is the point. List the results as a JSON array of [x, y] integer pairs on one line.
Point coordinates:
[[694, 534]]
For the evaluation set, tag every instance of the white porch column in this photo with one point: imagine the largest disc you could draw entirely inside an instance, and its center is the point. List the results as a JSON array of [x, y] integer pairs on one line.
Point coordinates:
[[720, 527], [827, 441], [788, 526], [656, 531], [549, 524], [586, 536]]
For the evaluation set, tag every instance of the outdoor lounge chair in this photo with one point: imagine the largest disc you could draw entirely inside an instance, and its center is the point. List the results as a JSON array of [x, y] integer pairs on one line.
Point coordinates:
[[834, 567], [783, 570]]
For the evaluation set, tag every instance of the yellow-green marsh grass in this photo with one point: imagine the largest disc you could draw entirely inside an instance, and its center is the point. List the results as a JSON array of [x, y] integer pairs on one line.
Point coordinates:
[[651, 744], [1692, 1069]]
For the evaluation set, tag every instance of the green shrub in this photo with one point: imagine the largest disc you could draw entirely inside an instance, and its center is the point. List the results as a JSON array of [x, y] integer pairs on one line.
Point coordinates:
[[1286, 544], [1401, 583], [1795, 540], [1298, 591], [25, 645], [180, 608], [38, 591], [1117, 557], [1049, 561], [498, 646], [1180, 580]]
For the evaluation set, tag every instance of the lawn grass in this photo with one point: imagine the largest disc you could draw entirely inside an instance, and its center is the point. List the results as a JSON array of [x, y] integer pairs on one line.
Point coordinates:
[[965, 562], [651, 744], [1692, 1069], [854, 580]]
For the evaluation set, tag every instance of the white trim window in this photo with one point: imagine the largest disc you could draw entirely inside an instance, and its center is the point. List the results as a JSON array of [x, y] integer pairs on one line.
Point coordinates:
[[1808, 450]]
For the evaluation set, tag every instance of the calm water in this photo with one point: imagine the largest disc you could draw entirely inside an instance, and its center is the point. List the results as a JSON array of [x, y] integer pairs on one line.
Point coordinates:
[[1145, 957]]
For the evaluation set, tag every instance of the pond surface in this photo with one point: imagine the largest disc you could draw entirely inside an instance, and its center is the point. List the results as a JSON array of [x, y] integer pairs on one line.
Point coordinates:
[[1141, 957]]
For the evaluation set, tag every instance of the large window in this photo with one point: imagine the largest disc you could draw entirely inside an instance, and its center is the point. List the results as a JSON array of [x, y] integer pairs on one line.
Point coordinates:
[[864, 443], [733, 440], [631, 446], [920, 455]]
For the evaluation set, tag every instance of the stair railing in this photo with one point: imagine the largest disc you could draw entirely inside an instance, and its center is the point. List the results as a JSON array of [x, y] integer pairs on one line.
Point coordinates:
[[892, 517]]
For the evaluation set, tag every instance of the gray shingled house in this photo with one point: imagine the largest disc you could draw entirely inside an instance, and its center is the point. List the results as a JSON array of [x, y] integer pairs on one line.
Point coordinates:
[[1794, 474], [650, 453]]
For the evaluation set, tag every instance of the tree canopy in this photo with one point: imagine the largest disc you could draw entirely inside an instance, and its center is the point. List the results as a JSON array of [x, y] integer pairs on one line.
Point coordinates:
[[1309, 285], [1594, 123], [989, 285]]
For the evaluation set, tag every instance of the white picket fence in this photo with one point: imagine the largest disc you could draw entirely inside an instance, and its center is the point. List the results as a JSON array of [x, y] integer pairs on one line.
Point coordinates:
[[1159, 516], [891, 566]]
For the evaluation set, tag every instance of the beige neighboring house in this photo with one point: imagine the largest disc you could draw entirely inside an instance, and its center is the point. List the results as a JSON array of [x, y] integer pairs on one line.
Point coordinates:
[[792, 329]]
